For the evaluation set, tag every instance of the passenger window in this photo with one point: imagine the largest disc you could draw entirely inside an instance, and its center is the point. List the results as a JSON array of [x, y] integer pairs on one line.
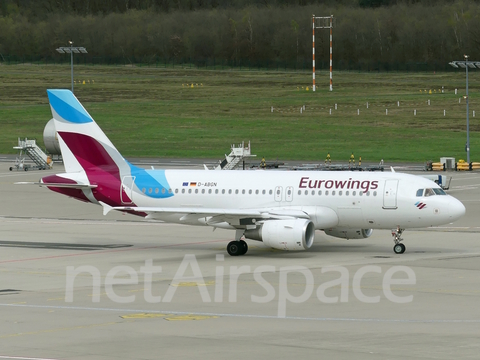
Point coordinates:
[[263, 192], [196, 191], [368, 193], [189, 191], [256, 192], [360, 193], [250, 192], [306, 192], [347, 193], [243, 191], [270, 192], [156, 190], [340, 193], [183, 191], [419, 192], [144, 190], [333, 192], [354, 193], [176, 191], [326, 192], [374, 193], [299, 192], [289, 192], [229, 191], [149, 190], [163, 190], [236, 191], [319, 192], [169, 191]]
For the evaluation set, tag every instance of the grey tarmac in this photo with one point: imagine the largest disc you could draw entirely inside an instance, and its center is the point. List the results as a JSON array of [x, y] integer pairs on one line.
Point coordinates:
[[42, 234]]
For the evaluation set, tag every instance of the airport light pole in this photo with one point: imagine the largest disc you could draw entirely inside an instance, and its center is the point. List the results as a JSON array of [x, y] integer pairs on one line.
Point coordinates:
[[70, 50], [473, 65]]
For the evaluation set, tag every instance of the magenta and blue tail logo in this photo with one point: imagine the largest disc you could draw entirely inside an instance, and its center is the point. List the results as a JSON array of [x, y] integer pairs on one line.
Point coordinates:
[[420, 205], [66, 105]]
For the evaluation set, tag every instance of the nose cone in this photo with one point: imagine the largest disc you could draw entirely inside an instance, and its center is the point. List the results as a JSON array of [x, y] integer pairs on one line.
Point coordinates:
[[455, 209]]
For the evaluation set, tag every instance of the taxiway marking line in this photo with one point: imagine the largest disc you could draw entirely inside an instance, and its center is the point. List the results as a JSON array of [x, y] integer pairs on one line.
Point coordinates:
[[109, 251], [251, 316], [23, 358], [56, 330]]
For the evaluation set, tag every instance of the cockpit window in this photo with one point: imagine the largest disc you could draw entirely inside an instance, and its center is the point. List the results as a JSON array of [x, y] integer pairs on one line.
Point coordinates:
[[429, 192], [439, 192]]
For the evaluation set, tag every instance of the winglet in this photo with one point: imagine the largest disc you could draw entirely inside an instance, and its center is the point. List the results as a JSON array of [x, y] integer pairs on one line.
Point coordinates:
[[205, 167], [391, 168], [106, 208]]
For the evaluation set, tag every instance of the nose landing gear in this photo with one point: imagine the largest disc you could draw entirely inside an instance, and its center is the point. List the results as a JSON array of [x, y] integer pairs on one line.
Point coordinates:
[[398, 248]]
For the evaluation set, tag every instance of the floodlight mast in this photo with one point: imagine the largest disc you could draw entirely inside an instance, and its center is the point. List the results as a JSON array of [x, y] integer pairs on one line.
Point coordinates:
[[71, 61], [71, 49], [468, 122], [466, 64]]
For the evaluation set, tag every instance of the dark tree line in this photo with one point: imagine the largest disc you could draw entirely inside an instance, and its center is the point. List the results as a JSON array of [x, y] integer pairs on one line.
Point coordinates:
[[365, 31]]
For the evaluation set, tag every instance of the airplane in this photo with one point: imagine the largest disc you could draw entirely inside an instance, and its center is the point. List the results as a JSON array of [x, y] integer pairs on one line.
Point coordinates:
[[283, 209]]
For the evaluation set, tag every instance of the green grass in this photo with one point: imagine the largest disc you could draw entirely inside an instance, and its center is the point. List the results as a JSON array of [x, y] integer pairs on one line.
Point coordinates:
[[151, 112]]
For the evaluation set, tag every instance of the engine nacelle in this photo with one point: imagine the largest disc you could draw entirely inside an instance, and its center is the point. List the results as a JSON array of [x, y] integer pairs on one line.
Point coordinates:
[[50, 138], [346, 233], [295, 234]]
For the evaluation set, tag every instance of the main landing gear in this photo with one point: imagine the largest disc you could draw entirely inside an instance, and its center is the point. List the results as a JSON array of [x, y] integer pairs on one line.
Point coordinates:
[[237, 247], [398, 248]]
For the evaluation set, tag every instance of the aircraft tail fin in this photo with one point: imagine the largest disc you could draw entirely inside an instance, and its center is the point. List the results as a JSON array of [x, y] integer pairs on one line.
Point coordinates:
[[84, 146]]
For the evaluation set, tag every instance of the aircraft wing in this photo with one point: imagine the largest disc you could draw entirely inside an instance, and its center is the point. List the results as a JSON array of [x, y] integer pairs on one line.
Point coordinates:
[[214, 215]]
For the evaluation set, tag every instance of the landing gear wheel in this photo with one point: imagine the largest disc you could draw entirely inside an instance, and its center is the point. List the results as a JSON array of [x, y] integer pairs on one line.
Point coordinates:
[[244, 247], [399, 248], [234, 248]]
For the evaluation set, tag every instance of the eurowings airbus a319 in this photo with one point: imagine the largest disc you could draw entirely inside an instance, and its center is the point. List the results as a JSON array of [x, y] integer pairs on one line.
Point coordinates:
[[281, 208]]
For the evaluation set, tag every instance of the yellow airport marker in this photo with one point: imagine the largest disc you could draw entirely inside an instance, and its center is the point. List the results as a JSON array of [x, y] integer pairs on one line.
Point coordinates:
[[143, 316], [193, 283], [190, 317]]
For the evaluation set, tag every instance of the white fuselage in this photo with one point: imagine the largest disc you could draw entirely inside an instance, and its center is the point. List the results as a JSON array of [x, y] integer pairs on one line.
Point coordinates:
[[359, 200]]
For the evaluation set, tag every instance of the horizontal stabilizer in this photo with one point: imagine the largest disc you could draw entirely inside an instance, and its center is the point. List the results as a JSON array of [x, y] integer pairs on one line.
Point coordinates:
[[58, 185], [69, 186]]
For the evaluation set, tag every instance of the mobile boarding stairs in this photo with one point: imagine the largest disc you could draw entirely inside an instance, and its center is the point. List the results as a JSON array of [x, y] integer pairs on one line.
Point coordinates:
[[41, 160], [236, 157]]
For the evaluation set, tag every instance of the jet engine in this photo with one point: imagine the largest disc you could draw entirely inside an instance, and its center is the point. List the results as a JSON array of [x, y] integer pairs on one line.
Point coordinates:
[[295, 234], [346, 233], [50, 139]]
